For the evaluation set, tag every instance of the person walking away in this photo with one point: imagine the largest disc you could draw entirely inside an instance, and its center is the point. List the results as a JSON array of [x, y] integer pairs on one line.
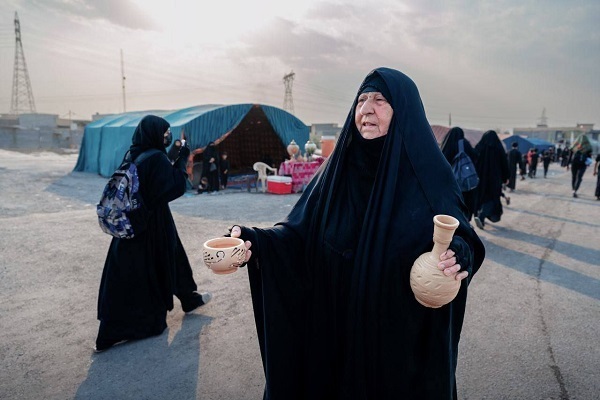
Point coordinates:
[[533, 162], [142, 274], [546, 160], [335, 315], [580, 152], [224, 169], [449, 147], [492, 167], [514, 162], [596, 170]]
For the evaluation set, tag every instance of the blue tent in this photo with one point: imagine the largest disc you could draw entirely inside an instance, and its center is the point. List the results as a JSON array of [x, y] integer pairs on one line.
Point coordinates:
[[526, 144], [247, 132]]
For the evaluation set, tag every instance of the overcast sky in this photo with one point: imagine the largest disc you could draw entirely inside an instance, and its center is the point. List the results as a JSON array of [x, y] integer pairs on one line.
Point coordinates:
[[492, 64]]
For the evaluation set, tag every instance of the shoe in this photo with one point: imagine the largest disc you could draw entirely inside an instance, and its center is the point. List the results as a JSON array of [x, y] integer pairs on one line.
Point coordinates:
[[507, 200], [99, 348], [195, 300], [574, 194], [478, 222]]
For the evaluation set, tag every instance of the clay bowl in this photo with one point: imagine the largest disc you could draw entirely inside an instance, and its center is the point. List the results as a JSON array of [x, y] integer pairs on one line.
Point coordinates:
[[224, 255]]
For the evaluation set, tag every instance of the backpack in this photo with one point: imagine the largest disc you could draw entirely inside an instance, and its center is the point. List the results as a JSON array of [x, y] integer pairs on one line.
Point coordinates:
[[464, 170], [121, 212]]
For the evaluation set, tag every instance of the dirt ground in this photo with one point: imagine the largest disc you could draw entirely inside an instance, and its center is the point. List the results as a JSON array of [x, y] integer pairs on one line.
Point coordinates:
[[531, 331]]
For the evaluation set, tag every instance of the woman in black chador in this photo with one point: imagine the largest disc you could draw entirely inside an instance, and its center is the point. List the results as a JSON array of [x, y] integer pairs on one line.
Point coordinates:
[[210, 167], [492, 167], [142, 274], [449, 148], [515, 160], [335, 315]]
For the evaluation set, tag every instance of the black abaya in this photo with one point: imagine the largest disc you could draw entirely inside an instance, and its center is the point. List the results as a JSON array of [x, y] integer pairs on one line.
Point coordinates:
[[450, 149], [514, 162], [492, 167], [142, 274], [335, 314]]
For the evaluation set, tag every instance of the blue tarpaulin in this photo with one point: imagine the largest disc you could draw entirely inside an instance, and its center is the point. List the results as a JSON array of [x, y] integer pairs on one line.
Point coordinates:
[[105, 141], [526, 144]]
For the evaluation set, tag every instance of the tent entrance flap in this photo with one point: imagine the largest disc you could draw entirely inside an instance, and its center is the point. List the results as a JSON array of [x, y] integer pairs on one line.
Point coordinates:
[[254, 139]]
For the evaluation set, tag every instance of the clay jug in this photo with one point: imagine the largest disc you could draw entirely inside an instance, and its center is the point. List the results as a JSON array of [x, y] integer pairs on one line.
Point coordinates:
[[429, 284]]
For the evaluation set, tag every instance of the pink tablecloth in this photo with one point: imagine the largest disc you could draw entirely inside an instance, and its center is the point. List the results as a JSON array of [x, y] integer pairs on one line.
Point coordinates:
[[301, 172]]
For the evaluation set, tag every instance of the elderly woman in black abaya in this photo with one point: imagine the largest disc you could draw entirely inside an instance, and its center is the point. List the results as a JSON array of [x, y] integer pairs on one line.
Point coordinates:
[[335, 314], [142, 274], [449, 147], [492, 168], [210, 167]]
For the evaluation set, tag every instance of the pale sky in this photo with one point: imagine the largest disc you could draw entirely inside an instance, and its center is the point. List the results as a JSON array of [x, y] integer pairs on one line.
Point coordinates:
[[493, 64]]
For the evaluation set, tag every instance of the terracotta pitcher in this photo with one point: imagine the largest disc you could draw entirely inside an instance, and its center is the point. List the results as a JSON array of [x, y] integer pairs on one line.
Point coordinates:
[[429, 284]]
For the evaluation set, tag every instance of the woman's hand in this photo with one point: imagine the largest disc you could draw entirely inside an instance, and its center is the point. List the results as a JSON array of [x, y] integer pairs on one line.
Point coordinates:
[[449, 266], [236, 231]]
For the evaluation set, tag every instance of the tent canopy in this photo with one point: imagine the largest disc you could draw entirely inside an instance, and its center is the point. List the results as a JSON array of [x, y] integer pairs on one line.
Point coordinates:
[[526, 144], [248, 132]]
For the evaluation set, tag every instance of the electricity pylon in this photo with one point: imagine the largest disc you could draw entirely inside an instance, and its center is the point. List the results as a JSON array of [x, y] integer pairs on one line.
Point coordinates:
[[22, 95]]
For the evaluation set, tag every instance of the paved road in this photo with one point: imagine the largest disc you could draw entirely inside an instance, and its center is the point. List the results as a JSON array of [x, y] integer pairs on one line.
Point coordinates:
[[532, 330]]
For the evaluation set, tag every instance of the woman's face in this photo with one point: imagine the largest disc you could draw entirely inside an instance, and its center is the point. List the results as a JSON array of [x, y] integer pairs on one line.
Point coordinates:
[[373, 115]]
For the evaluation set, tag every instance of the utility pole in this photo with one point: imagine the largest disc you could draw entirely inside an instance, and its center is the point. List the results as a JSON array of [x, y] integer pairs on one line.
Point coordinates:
[[450, 120], [123, 81], [288, 101], [22, 95]]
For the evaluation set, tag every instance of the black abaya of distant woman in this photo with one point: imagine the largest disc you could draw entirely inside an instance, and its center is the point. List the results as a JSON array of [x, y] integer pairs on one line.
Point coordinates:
[[335, 314], [211, 169], [142, 274], [492, 167], [450, 149]]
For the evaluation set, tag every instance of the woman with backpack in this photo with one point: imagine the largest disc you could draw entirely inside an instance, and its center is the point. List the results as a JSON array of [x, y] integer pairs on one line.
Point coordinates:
[[142, 273], [450, 147]]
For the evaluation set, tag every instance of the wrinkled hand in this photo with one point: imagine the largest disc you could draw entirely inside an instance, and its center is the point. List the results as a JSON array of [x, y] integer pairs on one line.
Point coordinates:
[[449, 266], [236, 231]]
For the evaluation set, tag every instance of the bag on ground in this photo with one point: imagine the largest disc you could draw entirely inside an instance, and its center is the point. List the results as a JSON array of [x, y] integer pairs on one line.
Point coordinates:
[[121, 211], [464, 170]]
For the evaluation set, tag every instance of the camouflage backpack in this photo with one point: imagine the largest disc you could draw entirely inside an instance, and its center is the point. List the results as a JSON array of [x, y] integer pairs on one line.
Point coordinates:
[[121, 211]]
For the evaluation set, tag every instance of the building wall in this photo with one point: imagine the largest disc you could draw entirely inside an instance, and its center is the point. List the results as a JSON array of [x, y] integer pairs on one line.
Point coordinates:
[[553, 135]]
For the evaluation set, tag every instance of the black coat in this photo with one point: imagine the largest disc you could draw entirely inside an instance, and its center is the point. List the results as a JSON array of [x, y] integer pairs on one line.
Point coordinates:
[[142, 274], [334, 311]]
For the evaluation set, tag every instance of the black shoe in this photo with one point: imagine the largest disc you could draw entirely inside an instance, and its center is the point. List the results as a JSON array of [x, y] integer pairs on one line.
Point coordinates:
[[478, 222], [507, 200], [574, 194], [194, 301], [100, 347]]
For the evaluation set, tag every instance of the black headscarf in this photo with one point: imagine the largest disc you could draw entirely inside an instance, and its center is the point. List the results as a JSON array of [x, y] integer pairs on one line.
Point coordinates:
[[149, 134], [389, 335]]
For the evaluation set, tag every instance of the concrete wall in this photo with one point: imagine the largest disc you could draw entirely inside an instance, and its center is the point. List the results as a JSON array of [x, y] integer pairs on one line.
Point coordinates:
[[32, 139]]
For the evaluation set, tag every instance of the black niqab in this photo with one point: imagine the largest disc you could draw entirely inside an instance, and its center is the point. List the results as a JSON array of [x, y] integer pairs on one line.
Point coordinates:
[[337, 318]]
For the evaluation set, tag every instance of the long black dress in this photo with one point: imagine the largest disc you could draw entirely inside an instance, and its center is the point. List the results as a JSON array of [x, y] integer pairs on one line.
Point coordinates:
[[211, 169], [142, 274], [450, 149], [335, 315], [514, 161], [492, 167]]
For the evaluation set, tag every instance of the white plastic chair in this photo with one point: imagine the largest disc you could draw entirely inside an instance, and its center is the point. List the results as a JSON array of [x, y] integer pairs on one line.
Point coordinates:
[[263, 171]]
